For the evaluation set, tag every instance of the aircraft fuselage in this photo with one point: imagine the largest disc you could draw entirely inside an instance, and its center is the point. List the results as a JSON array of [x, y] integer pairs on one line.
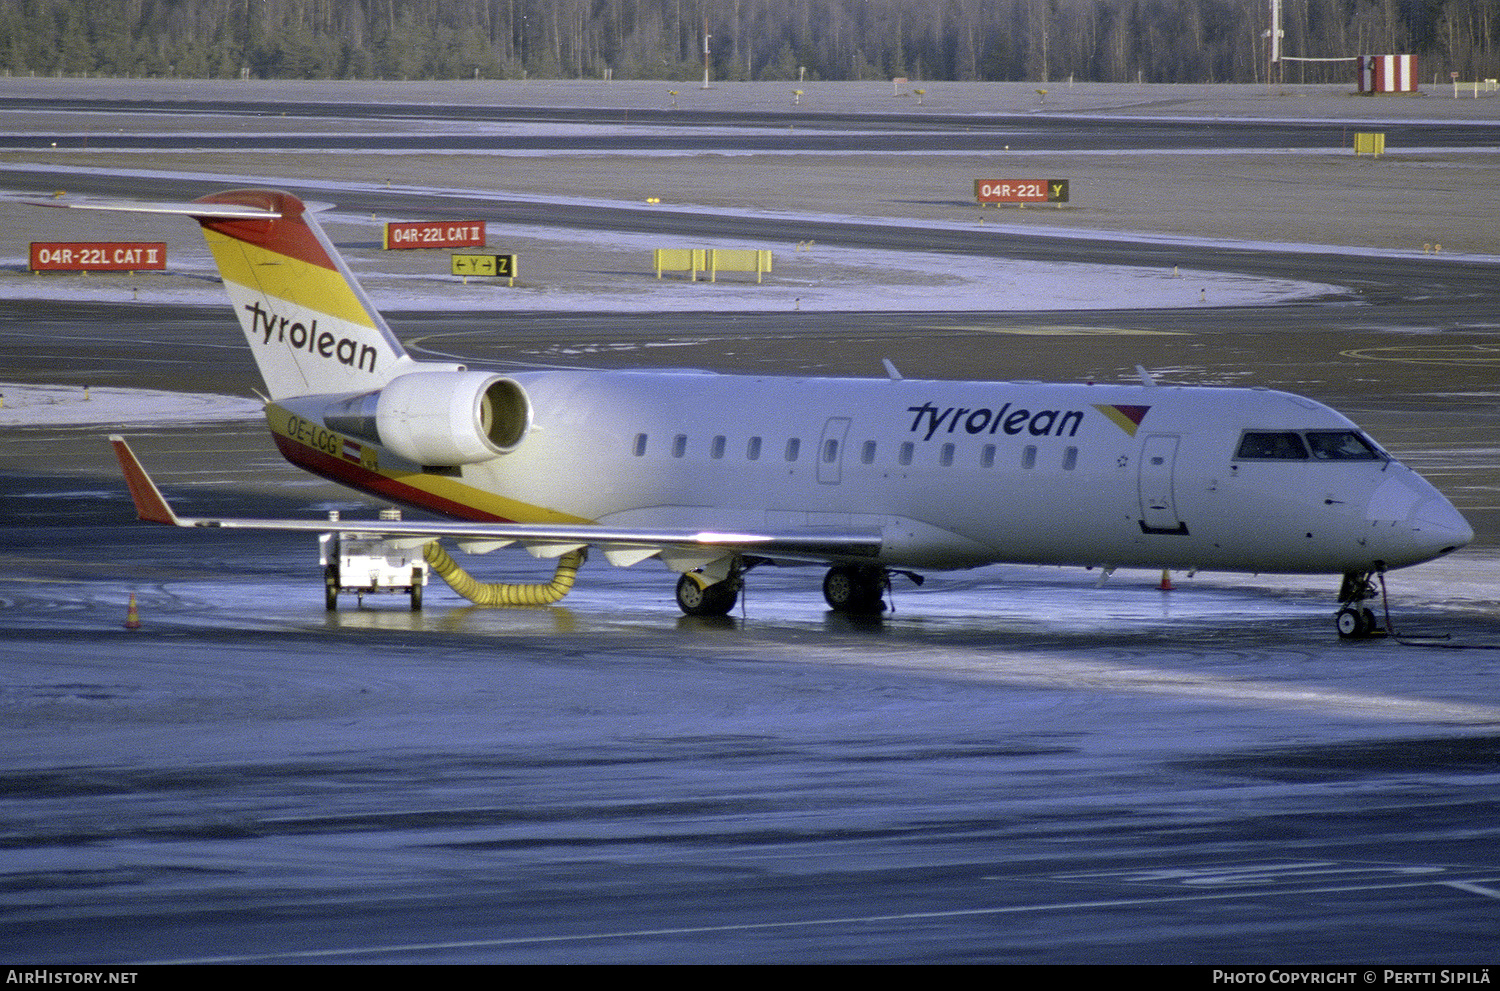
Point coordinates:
[[951, 474]]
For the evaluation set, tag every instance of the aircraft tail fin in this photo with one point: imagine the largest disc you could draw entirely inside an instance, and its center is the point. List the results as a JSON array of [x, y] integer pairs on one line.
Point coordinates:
[[309, 323]]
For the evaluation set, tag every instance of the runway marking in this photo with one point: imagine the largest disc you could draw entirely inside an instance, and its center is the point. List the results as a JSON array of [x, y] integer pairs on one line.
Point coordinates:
[[1477, 885], [1477, 889], [1214, 875], [1054, 331], [1434, 354], [1023, 669]]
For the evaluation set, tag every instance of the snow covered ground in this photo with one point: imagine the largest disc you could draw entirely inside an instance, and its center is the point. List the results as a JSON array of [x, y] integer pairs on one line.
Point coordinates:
[[614, 270], [618, 277], [68, 405]]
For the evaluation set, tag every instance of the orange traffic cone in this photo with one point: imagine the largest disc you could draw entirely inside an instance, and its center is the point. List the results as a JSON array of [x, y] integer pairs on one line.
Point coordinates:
[[1166, 581], [132, 618]]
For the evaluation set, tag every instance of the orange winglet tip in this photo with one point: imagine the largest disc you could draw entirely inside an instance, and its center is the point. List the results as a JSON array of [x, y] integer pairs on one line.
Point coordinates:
[[149, 503]]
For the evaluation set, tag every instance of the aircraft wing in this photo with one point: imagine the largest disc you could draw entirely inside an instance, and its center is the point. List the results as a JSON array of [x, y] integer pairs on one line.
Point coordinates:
[[621, 545]]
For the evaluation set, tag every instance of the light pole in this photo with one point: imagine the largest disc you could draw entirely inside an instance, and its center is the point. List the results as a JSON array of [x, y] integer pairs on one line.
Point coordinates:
[[1273, 36], [706, 36]]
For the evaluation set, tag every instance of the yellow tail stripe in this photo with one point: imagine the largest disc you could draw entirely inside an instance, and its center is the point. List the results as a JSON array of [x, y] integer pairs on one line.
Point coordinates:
[[486, 502], [282, 277]]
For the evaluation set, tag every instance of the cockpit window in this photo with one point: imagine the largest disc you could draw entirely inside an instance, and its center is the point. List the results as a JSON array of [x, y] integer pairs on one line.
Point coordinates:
[[1341, 445], [1314, 445], [1272, 445]]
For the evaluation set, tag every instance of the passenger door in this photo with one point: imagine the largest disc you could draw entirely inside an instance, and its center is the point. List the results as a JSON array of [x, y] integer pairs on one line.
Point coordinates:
[[1158, 500]]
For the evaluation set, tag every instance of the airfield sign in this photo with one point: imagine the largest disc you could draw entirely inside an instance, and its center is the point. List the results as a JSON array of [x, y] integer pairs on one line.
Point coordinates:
[[1021, 190]]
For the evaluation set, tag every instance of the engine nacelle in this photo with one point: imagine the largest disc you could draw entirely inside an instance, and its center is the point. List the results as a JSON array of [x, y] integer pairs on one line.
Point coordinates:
[[451, 418]]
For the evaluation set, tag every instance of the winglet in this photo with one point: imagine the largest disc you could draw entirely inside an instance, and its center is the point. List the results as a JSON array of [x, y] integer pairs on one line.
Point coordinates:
[[149, 503]]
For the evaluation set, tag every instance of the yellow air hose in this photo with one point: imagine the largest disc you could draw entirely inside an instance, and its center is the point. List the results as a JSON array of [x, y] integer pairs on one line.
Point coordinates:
[[502, 594]]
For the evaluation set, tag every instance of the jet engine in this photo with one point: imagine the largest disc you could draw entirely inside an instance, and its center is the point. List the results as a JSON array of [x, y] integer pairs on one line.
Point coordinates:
[[439, 418]]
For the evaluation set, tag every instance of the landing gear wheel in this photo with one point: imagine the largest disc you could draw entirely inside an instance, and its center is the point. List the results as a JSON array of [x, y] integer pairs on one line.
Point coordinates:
[[1354, 620], [1355, 623], [416, 590], [707, 600], [330, 589], [1351, 623], [854, 589]]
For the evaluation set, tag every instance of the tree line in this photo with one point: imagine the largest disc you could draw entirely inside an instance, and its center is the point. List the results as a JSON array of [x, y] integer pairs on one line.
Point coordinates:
[[1041, 40]]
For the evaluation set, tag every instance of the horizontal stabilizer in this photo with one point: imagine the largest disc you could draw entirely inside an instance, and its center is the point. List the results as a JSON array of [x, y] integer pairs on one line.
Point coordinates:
[[219, 211], [309, 324]]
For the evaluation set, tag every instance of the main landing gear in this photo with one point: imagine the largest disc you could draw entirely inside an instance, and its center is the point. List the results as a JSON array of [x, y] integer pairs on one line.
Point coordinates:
[[1354, 620], [696, 598], [856, 589], [852, 589]]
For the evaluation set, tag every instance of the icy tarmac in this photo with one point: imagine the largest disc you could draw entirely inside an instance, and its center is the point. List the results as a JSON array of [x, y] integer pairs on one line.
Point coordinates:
[[1015, 766]]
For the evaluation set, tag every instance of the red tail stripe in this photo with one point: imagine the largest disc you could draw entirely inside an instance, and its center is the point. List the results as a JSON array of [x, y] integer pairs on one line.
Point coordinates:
[[356, 476], [286, 235]]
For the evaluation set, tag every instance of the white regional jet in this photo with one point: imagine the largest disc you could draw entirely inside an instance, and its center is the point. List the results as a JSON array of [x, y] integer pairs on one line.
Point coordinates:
[[716, 474]]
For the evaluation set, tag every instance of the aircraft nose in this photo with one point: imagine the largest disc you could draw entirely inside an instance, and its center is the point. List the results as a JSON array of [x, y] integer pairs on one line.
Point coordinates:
[[1418, 522], [1439, 528]]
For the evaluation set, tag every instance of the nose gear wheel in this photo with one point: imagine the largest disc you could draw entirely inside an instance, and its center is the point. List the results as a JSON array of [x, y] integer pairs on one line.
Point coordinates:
[[1354, 620]]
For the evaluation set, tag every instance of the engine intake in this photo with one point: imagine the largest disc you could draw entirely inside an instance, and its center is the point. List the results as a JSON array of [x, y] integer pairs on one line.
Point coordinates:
[[440, 418], [452, 418]]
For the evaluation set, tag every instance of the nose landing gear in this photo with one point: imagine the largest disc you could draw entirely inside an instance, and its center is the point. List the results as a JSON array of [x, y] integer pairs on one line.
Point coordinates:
[[1354, 620], [1355, 623]]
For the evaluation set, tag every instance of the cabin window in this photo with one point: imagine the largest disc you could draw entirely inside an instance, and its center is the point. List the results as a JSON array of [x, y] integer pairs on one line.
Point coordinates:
[[987, 456], [793, 448], [1028, 456], [867, 455], [1070, 459], [907, 450], [1341, 445], [830, 451], [752, 449], [1271, 445], [945, 456], [717, 450], [640, 445], [679, 445]]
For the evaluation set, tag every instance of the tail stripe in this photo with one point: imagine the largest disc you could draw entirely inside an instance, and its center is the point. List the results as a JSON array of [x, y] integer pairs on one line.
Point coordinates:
[[286, 277], [311, 327], [288, 233]]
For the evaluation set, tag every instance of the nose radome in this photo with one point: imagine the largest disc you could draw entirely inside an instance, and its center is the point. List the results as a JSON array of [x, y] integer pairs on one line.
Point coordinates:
[[1439, 528], [1423, 523]]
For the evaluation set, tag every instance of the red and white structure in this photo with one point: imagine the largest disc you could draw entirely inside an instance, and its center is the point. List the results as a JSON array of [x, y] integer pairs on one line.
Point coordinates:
[[1387, 73]]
